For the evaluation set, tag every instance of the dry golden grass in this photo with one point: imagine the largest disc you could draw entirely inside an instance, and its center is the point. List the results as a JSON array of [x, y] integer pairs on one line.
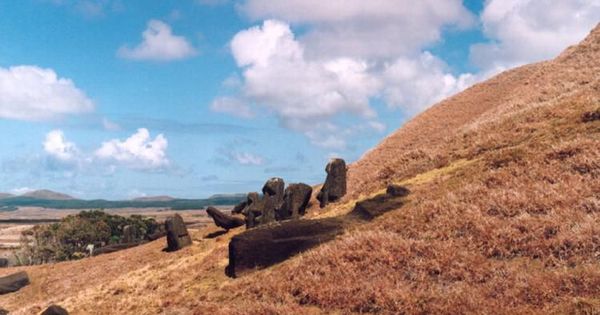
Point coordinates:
[[504, 217]]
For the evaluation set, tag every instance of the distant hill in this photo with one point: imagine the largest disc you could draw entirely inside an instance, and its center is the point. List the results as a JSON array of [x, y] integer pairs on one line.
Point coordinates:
[[6, 195], [47, 195], [154, 198]]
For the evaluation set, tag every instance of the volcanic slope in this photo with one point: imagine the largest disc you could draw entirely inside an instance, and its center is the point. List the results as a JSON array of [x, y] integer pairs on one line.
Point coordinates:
[[503, 217]]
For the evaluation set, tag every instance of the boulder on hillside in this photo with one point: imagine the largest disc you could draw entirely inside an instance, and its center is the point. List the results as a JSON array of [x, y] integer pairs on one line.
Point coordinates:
[[272, 199], [177, 233], [335, 183], [224, 220], [267, 245], [13, 282], [3, 311], [55, 310], [295, 201], [3, 262]]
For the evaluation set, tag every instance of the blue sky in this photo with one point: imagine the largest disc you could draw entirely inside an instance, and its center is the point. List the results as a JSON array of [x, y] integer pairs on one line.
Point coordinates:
[[118, 99]]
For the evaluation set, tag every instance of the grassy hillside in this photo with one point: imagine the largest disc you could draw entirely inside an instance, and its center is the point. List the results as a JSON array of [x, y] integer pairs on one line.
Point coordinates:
[[504, 217]]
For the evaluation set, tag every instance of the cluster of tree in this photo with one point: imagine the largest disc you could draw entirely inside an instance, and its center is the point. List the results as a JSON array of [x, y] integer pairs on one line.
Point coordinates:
[[69, 239]]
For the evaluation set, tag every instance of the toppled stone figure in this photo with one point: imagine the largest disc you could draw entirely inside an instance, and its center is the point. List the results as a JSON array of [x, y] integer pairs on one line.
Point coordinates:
[[177, 233], [224, 220], [55, 310], [13, 282], [335, 183], [295, 201]]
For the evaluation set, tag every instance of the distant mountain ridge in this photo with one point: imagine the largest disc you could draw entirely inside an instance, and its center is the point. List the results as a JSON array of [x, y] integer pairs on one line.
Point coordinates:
[[154, 198], [46, 194], [6, 195]]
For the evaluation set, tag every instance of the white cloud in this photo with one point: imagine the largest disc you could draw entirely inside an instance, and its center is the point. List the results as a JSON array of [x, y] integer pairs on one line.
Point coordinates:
[[138, 151], [33, 93], [58, 147], [415, 84], [302, 93], [523, 31], [159, 44], [365, 29], [245, 158], [233, 106], [307, 94], [109, 125]]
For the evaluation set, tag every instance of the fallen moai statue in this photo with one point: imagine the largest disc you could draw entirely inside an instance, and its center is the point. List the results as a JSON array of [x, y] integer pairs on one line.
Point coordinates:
[[224, 220], [55, 310], [267, 245], [334, 187], [13, 282], [177, 233]]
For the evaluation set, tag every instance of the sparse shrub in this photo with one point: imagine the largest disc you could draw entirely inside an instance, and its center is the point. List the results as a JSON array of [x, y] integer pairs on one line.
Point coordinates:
[[68, 239]]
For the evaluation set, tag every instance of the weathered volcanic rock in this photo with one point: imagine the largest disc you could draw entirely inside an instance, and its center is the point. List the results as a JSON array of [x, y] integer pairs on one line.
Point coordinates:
[[3, 311], [267, 245], [55, 310], [3, 262], [177, 234], [13, 282], [335, 183], [272, 199], [397, 190], [590, 116], [128, 234], [253, 209], [295, 200], [224, 220]]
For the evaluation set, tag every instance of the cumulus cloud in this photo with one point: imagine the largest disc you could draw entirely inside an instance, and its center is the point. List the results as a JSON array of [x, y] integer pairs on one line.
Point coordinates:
[[306, 94], [365, 29], [233, 106], [523, 31], [139, 151], [415, 84], [302, 93], [159, 44], [35, 94], [57, 146]]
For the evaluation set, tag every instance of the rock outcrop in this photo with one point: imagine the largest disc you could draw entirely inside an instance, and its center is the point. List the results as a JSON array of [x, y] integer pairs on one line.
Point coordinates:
[[264, 246], [13, 282], [3, 311], [295, 201], [335, 183], [55, 310], [3, 262], [224, 220], [177, 233]]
